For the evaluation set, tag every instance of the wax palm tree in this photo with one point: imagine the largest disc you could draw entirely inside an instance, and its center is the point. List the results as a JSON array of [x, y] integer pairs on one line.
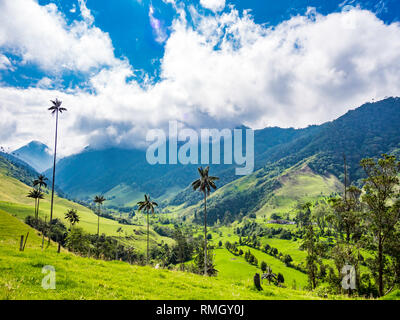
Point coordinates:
[[40, 182], [147, 206], [55, 109], [72, 216], [99, 200], [204, 185], [269, 275], [35, 194]]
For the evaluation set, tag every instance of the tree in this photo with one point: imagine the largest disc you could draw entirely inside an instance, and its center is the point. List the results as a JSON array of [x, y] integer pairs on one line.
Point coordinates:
[[99, 201], [40, 182], [280, 278], [35, 194], [263, 266], [78, 240], [310, 243], [269, 275], [147, 206], [204, 185], [382, 198], [72, 216], [55, 109], [287, 259]]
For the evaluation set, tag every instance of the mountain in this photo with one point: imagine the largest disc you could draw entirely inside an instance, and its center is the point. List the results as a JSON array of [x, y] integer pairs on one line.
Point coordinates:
[[35, 154], [367, 131], [124, 175], [16, 168]]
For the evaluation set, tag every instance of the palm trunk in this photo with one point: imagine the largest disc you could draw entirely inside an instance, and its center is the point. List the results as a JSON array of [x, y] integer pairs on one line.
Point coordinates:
[[380, 266], [205, 234], [98, 221], [147, 260], [37, 208], [36, 212], [54, 172]]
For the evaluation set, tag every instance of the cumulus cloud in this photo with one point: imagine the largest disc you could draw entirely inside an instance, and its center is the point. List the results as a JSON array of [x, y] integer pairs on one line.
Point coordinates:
[[40, 35], [224, 71], [213, 5]]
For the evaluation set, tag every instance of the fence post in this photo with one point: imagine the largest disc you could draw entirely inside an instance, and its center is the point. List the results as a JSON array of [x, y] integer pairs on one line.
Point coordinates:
[[21, 243]]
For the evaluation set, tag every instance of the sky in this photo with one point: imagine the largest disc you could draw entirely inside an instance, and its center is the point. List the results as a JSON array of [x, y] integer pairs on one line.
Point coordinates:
[[123, 67]]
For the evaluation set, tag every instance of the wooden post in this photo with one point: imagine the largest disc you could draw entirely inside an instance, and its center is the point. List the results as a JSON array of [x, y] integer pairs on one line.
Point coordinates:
[[21, 243], [45, 218], [59, 248], [26, 239]]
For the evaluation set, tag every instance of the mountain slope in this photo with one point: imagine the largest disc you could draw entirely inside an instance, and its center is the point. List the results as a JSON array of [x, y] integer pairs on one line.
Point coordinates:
[[124, 174], [13, 200], [16, 168], [36, 154], [367, 131], [87, 278], [106, 171]]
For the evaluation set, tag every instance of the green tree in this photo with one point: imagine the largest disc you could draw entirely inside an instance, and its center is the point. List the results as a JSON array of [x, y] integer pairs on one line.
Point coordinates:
[[35, 194], [78, 240], [204, 185], [99, 201], [382, 198], [310, 243], [280, 278], [147, 206], [269, 275], [40, 182], [72, 216], [263, 266]]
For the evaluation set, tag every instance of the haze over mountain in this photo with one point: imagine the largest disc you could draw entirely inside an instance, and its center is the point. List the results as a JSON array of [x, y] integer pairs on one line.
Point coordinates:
[[124, 175], [36, 154]]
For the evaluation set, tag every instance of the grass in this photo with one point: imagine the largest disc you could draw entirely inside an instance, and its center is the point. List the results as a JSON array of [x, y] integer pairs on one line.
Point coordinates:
[[86, 278], [276, 265], [299, 184]]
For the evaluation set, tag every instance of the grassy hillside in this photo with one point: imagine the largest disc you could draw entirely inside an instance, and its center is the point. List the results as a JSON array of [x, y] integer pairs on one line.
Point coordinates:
[[13, 200], [86, 278], [299, 185]]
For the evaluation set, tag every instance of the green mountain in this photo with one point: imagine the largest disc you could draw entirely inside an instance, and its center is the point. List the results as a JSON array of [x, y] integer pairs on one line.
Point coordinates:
[[124, 175], [13, 167], [367, 131], [36, 154]]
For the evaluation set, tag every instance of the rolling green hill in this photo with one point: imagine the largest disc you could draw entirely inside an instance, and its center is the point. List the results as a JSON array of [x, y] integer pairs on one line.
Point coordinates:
[[86, 278], [13, 200]]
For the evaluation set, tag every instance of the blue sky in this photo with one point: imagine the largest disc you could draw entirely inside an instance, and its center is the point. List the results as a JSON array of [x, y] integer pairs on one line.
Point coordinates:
[[125, 66]]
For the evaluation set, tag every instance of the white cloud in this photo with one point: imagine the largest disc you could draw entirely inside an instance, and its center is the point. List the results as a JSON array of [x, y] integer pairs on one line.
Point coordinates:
[[225, 71], [40, 35], [4, 62], [213, 5]]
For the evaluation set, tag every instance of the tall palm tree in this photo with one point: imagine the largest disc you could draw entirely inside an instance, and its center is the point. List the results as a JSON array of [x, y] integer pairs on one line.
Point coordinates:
[[39, 182], [72, 216], [204, 185], [99, 200], [147, 206], [55, 109], [269, 275], [35, 194]]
